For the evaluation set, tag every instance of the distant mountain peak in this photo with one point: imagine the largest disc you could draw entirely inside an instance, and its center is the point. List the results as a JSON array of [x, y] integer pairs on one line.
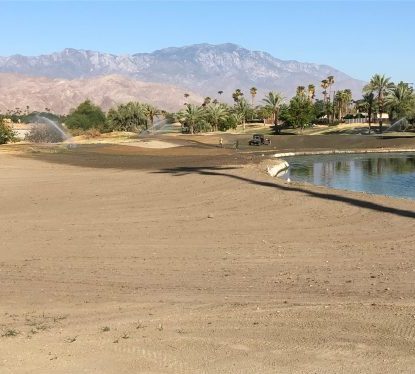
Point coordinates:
[[203, 68]]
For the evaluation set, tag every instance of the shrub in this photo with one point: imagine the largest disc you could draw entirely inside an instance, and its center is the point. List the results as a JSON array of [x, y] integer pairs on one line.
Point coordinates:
[[6, 133]]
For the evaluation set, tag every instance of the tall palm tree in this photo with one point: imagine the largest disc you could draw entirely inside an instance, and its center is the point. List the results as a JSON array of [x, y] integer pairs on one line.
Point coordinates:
[[330, 81], [273, 102], [349, 100], [300, 91], [324, 85], [237, 95], [341, 101], [311, 90], [186, 96], [206, 101], [381, 86], [368, 105], [242, 109], [346, 96], [253, 91]]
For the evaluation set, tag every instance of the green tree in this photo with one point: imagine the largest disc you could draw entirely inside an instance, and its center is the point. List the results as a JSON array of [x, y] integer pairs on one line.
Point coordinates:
[[400, 101], [300, 111], [7, 134], [191, 117], [342, 102], [86, 116], [273, 102], [217, 114], [150, 112], [127, 117], [381, 87]]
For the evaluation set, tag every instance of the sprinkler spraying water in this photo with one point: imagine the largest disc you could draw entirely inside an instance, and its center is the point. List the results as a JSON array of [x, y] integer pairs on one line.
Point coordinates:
[[401, 125], [51, 131], [159, 127]]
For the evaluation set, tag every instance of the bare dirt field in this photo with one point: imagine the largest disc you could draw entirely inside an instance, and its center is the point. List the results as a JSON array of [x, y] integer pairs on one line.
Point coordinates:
[[118, 259]]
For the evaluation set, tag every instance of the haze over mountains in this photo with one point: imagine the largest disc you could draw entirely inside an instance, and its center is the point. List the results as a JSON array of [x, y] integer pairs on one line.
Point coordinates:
[[203, 69]]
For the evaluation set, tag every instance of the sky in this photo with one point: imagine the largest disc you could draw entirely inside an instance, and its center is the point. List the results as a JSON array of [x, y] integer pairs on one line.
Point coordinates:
[[360, 38]]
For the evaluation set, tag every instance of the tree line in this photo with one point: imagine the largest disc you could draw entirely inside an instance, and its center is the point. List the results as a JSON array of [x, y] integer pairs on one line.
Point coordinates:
[[380, 96]]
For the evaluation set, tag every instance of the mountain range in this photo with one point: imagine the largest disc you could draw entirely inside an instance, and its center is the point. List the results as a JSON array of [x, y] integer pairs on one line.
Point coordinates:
[[203, 69], [61, 95]]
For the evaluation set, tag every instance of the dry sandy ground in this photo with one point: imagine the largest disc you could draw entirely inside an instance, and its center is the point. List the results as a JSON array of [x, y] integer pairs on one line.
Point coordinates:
[[125, 267]]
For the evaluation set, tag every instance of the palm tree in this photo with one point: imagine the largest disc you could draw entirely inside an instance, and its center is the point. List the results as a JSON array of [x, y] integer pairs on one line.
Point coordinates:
[[253, 91], [381, 86], [300, 91], [311, 90], [150, 112], [127, 117], [368, 105], [242, 109], [400, 101], [220, 93], [206, 101], [273, 102], [349, 100], [191, 116], [186, 96], [330, 81], [216, 114], [324, 85], [237, 95], [340, 101]]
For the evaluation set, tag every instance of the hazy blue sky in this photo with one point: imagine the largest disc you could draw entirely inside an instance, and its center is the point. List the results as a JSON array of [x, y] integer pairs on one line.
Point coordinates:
[[358, 37]]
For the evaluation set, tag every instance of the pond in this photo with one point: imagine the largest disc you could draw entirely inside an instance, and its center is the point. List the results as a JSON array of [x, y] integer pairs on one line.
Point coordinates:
[[390, 174]]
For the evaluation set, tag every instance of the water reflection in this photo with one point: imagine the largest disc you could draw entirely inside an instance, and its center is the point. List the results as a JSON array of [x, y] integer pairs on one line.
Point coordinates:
[[386, 174]]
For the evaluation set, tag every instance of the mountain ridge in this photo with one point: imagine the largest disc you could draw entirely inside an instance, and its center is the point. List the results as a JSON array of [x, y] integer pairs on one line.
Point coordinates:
[[61, 95], [203, 68]]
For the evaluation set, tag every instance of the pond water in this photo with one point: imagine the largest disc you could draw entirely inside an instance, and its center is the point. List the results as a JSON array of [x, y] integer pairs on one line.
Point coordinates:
[[384, 174]]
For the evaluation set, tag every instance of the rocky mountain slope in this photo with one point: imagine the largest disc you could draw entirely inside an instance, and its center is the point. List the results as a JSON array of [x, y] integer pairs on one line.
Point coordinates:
[[60, 95], [202, 68]]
